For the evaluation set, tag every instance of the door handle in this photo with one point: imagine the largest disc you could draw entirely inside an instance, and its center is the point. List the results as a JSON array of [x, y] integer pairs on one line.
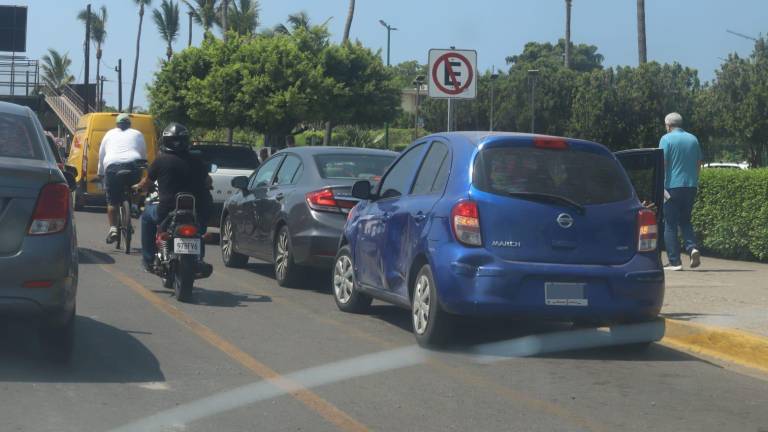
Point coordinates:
[[279, 196], [419, 216]]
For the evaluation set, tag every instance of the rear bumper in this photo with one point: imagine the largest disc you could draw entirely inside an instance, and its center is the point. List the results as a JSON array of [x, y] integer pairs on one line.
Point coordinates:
[[46, 258], [474, 282], [315, 244]]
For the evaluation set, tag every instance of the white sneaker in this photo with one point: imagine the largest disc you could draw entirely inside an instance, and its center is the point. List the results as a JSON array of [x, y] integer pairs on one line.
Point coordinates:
[[112, 235], [695, 258], [670, 267]]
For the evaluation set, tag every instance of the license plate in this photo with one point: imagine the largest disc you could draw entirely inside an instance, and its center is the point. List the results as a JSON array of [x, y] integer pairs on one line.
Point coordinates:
[[185, 246], [565, 294]]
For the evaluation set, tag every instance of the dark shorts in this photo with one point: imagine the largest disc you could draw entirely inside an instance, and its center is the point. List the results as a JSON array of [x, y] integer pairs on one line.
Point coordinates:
[[115, 185]]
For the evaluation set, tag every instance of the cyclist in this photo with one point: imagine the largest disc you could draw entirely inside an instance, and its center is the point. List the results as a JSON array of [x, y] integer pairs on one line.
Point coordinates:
[[175, 170], [120, 148]]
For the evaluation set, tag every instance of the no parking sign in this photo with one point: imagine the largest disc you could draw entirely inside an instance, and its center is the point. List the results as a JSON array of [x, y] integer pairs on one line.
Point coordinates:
[[452, 73]]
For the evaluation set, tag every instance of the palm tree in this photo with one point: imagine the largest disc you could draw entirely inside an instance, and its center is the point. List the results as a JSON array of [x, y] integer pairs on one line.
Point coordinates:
[[641, 47], [56, 69], [167, 22], [296, 21], [244, 16], [204, 13], [348, 25], [141, 4], [568, 4], [98, 35]]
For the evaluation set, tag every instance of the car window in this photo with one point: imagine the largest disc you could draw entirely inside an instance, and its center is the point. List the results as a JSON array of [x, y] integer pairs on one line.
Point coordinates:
[[584, 177], [265, 173], [352, 165], [434, 170], [232, 157], [288, 170], [18, 138], [398, 179]]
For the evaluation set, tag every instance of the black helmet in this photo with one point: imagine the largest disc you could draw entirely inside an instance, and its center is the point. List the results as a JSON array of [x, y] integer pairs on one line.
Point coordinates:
[[175, 138]]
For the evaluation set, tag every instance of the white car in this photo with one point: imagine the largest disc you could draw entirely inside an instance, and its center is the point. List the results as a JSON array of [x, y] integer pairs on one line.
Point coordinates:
[[728, 165], [231, 161]]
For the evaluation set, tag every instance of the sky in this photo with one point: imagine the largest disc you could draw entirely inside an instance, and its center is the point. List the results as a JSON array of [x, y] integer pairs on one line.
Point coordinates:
[[691, 32]]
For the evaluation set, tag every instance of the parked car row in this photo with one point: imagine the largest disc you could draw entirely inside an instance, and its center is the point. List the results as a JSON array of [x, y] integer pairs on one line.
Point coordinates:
[[462, 224]]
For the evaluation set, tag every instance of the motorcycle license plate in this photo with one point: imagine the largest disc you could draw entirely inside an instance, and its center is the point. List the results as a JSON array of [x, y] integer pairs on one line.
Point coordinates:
[[186, 246]]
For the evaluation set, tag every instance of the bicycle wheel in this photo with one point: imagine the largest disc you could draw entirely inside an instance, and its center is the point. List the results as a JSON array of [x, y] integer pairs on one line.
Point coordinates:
[[118, 241], [126, 223]]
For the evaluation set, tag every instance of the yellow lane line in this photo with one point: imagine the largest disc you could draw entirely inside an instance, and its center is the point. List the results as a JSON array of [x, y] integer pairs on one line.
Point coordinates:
[[734, 346], [313, 401]]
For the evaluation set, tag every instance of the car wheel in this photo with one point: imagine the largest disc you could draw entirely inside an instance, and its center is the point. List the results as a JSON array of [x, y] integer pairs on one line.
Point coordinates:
[[431, 324], [286, 271], [348, 298], [227, 242], [58, 339]]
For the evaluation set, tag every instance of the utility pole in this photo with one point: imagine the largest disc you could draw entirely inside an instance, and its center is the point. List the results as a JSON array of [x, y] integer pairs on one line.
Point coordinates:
[[389, 31], [119, 70], [568, 33], [641, 45], [494, 77], [417, 82], [189, 43], [87, 57], [532, 73], [100, 104]]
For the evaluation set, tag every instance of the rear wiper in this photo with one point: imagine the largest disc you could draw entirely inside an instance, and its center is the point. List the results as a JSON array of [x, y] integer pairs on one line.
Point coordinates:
[[533, 196]]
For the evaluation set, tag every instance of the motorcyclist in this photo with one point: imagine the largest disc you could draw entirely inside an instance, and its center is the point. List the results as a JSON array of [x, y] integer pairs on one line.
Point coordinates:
[[120, 148], [175, 170]]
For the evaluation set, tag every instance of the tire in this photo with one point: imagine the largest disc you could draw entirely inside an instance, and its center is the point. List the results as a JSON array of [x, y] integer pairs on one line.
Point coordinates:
[[184, 278], [125, 214], [78, 199], [345, 293], [168, 280], [58, 340], [286, 270], [431, 324], [227, 242]]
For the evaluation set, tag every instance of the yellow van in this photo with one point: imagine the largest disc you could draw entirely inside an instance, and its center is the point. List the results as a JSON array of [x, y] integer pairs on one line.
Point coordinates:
[[84, 151]]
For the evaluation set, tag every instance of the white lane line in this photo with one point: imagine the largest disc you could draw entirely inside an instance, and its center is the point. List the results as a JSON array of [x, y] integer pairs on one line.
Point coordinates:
[[368, 364]]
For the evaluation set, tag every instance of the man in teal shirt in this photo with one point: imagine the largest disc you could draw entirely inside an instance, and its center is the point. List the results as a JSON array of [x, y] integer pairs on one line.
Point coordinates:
[[682, 160]]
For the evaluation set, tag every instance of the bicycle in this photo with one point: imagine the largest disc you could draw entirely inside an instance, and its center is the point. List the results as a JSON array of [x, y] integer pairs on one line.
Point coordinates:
[[124, 214]]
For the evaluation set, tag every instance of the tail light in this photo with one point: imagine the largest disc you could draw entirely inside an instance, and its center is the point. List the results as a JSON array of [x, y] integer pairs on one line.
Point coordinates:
[[550, 143], [51, 211], [647, 231], [465, 222], [325, 201], [186, 230]]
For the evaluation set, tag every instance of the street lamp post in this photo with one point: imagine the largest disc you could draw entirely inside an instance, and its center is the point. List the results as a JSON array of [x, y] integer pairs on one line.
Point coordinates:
[[417, 82], [189, 42], [389, 32], [532, 73], [494, 76]]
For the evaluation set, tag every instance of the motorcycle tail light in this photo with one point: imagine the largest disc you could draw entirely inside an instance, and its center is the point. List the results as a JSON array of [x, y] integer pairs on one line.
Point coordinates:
[[186, 231]]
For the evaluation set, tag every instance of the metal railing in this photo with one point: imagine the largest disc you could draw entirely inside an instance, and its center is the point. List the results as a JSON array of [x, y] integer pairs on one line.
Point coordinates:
[[66, 104], [19, 76]]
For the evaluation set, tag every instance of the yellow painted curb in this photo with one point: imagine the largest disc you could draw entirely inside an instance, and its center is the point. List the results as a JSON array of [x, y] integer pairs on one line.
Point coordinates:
[[742, 348]]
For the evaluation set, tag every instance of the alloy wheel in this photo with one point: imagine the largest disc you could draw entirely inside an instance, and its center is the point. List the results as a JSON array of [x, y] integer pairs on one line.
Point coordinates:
[[226, 240], [421, 304], [343, 283], [281, 257]]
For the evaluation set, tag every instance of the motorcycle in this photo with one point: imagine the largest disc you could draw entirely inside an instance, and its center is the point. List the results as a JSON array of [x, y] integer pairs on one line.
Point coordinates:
[[178, 248]]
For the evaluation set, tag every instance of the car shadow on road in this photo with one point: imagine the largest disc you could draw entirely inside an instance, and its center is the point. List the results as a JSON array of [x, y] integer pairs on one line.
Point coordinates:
[[102, 354], [689, 316], [206, 297], [311, 279], [91, 256], [721, 270]]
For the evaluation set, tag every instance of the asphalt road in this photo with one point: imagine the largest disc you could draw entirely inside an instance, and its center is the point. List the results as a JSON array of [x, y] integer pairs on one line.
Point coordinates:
[[249, 355]]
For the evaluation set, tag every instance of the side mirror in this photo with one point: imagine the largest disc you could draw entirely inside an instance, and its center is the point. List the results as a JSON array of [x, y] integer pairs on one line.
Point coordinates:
[[240, 182], [71, 182], [362, 189]]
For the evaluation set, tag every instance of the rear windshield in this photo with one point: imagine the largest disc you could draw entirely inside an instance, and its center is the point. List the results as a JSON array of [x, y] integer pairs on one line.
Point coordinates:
[[234, 157], [352, 166], [586, 178], [19, 138]]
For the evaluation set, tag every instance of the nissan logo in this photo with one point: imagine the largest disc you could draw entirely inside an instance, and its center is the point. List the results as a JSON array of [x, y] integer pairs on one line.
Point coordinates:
[[565, 220]]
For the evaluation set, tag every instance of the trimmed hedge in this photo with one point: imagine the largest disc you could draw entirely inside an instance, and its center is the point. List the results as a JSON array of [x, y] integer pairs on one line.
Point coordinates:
[[731, 213]]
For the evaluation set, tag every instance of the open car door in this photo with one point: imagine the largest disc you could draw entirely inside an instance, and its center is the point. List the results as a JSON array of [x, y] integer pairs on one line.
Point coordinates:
[[645, 168]]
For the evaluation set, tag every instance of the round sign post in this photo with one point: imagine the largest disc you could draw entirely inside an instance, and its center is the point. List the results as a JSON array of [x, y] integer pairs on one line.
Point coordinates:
[[452, 75]]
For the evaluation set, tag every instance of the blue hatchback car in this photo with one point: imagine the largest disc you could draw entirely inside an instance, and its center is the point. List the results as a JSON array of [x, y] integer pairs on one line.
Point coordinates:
[[506, 225]]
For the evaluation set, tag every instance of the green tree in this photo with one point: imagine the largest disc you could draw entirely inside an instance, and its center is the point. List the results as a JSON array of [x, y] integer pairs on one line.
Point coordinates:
[[204, 13], [167, 21], [141, 4], [536, 54], [244, 17], [741, 97], [56, 69], [98, 35]]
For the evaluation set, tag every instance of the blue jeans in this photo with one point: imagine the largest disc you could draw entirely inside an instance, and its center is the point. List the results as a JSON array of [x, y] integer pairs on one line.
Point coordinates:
[[149, 222], [677, 215]]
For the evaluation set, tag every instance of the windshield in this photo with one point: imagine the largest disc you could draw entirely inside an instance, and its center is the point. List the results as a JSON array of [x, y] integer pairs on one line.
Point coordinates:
[[582, 177], [233, 157], [352, 165], [18, 138]]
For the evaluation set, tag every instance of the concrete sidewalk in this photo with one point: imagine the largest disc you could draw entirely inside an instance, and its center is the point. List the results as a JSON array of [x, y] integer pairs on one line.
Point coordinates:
[[722, 293]]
